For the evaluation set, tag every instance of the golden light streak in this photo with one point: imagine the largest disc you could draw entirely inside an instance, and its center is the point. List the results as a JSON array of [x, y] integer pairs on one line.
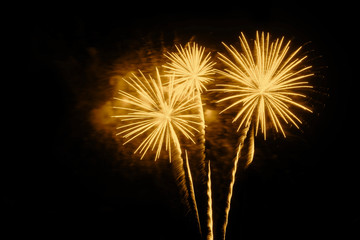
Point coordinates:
[[155, 113], [179, 172], [233, 177], [210, 235], [265, 80], [192, 191], [251, 147]]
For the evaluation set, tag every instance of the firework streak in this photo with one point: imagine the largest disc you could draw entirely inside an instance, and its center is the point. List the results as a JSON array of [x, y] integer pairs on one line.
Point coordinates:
[[192, 191], [210, 234], [233, 176]]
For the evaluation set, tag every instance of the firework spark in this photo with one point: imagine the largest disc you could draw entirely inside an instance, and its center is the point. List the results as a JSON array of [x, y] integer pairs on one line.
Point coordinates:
[[265, 81], [158, 114]]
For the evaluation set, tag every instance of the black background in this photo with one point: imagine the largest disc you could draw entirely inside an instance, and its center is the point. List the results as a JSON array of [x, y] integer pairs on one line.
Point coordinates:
[[71, 183]]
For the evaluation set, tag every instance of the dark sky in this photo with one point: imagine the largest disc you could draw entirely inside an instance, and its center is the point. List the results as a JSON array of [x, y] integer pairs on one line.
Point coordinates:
[[79, 177]]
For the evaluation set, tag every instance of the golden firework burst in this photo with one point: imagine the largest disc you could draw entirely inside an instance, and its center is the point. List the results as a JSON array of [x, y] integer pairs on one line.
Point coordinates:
[[156, 113], [265, 81], [191, 67]]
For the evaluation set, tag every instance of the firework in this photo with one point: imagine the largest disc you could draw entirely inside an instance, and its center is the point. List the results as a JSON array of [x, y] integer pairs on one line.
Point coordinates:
[[193, 70], [160, 115], [156, 113], [266, 84]]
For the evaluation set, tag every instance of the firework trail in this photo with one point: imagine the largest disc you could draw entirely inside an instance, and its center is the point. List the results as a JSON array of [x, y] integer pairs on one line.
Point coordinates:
[[192, 71], [180, 176], [263, 85], [251, 147], [191, 191], [157, 116], [210, 235], [233, 177]]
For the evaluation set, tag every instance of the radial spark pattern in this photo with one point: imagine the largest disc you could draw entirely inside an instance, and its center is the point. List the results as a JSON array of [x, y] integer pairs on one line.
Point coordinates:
[[265, 81], [192, 69], [155, 113]]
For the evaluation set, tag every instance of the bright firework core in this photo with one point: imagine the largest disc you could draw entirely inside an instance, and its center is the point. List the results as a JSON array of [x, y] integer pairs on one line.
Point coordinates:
[[165, 114]]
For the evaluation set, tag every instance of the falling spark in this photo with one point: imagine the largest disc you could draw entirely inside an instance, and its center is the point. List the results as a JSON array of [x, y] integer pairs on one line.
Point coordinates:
[[264, 86], [156, 114]]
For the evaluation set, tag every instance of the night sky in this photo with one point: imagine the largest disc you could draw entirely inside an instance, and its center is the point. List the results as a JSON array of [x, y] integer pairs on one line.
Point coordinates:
[[78, 177]]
